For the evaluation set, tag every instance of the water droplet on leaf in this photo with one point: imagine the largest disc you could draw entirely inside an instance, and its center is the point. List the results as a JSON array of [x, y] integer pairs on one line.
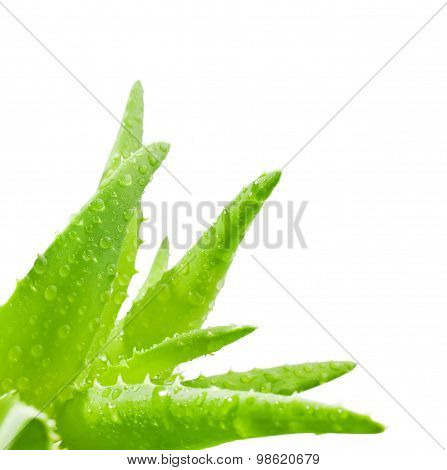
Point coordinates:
[[105, 242], [37, 350], [97, 205], [63, 331], [64, 270], [40, 265], [125, 180], [50, 292], [15, 353]]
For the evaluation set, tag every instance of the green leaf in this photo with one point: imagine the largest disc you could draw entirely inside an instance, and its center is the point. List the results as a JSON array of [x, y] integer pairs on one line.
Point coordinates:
[[23, 427], [130, 133], [283, 380], [176, 417], [54, 313], [182, 298], [159, 361], [122, 273], [127, 141], [159, 266], [115, 348]]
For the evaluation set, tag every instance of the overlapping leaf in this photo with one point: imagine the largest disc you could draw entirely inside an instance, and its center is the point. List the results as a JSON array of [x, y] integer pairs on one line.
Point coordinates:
[[147, 416], [54, 313], [64, 312], [182, 298], [159, 360], [128, 141]]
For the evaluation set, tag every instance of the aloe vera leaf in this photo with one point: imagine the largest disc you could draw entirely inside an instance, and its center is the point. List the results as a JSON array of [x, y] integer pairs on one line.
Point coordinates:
[[115, 349], [122, 272], [159, 266], [23, 427], [283, 380], [55, 310], [182, 298], [147, 416], [130, 133], [127, 141], [161, 359]]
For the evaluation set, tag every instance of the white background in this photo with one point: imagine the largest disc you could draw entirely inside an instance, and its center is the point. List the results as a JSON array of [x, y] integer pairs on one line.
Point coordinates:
[[238, 88]]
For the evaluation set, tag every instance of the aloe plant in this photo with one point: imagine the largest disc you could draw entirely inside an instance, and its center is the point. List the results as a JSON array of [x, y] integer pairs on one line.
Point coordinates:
[[73, 376]]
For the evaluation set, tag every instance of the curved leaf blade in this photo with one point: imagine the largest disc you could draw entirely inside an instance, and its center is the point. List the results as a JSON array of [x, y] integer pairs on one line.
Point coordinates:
[[283, 380], [159, 266], [185, 294], [159, 361], [130, 133], [53, 315], [127, 141], [176, 417]]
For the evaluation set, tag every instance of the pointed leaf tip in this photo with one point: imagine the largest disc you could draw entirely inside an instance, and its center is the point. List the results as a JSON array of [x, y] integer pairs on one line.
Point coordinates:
[[265, 184], [137, 86], [161, 359], [159, 150], [199, 275]]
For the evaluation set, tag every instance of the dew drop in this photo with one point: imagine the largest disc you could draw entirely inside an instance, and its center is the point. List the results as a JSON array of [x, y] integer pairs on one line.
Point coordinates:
[[40, 265], [22, 383], [64, 270], [73, 235], [105, 242], [7, 384], [82, 310], [111, 269], [97, 205], [50, 292], [63, 331], [125, 180], [152, 159], [15, 353], [143, 169], [127, 214], [87, 255], [37, 350]]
